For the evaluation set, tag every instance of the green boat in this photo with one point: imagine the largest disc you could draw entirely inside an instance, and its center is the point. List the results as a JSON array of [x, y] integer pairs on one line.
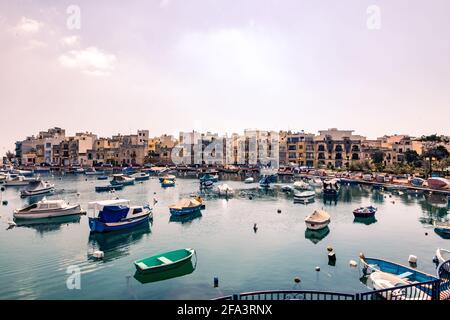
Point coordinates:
[[164, 261]]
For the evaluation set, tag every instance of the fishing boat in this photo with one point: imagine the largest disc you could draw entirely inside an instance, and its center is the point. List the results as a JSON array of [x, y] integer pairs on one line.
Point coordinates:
[[37, 188], [225, 190], [167, 177], [168, 183], [442, 255], [382, 274], [110, 187], [304, 196], [417, 182], [442, 229], [129, 170], [301, 185], [185, 206], [164, 261], [16, 180], [113, 215], [365, 212], [438, 183], [330, 187], [93, 172], [319, 219], [123, 179], [249, 180], [48, 209], [141, 176]]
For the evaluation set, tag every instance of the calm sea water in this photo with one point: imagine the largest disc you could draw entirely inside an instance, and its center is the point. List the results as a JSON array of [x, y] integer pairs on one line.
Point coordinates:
[[34, 258]]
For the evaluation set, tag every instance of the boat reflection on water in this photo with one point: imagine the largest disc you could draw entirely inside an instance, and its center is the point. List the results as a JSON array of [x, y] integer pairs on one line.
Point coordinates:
[[315, 236], [116, 244], [437, 200], [330, 199], [186, 218], [366, 221], [48, 224], [184, 269]]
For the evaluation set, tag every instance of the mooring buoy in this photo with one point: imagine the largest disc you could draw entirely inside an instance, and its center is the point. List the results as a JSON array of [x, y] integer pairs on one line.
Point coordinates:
[[317, 268], [216, 282], [297, 280]]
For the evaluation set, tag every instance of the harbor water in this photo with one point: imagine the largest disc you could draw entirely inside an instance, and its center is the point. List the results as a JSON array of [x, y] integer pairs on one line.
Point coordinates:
[[37, 259]]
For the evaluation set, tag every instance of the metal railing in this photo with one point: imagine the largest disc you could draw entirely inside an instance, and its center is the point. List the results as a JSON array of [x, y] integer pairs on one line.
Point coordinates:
[[289, 295], [417, 291]]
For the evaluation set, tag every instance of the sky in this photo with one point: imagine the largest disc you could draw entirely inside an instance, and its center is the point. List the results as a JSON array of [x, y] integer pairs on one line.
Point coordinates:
[[377, 67]]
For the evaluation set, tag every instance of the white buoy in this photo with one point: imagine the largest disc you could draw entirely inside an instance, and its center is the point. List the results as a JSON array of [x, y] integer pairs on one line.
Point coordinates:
[[412, 259], [98, 254], [353, 263]]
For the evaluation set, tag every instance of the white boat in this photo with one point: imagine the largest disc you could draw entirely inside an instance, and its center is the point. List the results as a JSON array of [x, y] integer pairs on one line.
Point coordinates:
[[316, 182], [304, 196], [48, 209], [301, 185], [249, 180], [37, 188], [16, 180], [122, 179], [319, 219], [442, 255], [225, 190], [380, 280]]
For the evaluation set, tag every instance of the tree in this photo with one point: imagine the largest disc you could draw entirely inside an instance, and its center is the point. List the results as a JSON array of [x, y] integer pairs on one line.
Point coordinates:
[[412, 158]]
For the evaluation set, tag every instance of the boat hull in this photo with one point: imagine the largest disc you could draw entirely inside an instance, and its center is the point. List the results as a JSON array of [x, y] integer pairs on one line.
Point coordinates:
[[313, 225], [184, 211], [26, 193], [109, 188], [44, 214], [185, 256], [98, 226]]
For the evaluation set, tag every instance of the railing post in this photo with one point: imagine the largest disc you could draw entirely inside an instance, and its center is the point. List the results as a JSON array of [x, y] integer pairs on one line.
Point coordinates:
[[235, 297], [357, 296], [436, 292]]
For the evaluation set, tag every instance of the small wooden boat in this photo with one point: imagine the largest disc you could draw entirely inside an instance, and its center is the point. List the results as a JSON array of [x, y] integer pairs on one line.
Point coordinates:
[[48, 209], [164, 261], [114, 215], [185, 206], [37, 188], [167, 183], [319, 219], [183, 269], [442, 255], [111, 187], [365, 212], [438, 183], [123, 180]]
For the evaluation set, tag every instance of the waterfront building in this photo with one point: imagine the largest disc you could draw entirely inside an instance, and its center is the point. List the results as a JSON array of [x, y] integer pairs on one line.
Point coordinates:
[[335, 148], [300, 148]]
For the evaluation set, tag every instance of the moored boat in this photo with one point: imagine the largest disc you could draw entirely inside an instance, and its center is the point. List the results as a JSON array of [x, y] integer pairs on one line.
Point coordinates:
[[442, 229], [442, 255], [48, 209], [225, 190], [417, 182], [304, 196], [207, 184], [319, 219], [167, 177], [330, 187], [123, 180], [113, 215], [102, 178], [141, 176], [438, 183], [209, 177], [185, 206], [164, 261], [365, 212], [249, 180], [16, 180], [93, 172], [301, 185], [37, 188], [167, 183], [110, 187]]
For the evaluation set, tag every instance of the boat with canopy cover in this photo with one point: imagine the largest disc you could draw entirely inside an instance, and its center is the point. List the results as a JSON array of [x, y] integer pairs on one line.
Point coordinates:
[[319, 219], [112, 215]]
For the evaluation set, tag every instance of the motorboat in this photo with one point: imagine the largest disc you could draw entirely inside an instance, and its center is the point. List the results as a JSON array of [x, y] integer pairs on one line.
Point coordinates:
[[438, 183], [319, 219], [185, 206], [93, 172], [141, 176], [164, 261], [442, 255], [48, 209], [167, 177], [113, 215], [37, 188], [16, 180], [25, 173], [249, 180], [225, 190], [110, 187], [365, 212], [209, 177], [330, 187], [123, 179], [304, 196], [301, 185], [168, 183], [417, 182]]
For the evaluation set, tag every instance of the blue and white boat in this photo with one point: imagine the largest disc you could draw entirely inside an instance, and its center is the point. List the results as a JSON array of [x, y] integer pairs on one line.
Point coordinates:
[[141, 176], [167, 177], [264, 182], [185, 206], [113, 215], [417, 182], [123, 180], [442, 229]]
